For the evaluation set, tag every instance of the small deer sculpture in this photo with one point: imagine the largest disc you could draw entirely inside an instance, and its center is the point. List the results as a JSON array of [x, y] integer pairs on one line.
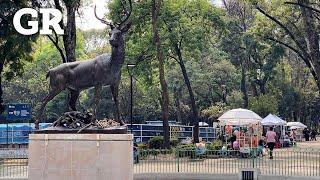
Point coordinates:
[[101, 71]]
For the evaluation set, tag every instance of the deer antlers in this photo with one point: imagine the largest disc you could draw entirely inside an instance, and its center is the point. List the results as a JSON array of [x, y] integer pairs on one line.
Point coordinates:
[[126, 11], [102, 20]]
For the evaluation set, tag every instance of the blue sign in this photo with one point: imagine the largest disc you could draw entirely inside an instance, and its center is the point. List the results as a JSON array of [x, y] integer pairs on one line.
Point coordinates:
[[19, 112]]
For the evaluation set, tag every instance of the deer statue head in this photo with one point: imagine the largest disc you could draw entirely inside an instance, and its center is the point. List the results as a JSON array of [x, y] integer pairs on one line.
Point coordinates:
[[117, 30]]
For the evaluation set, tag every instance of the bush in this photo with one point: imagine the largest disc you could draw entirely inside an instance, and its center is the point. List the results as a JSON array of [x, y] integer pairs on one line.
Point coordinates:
[[174, 142], [215, 145], [187, 150], [142, 146], [156, 142]]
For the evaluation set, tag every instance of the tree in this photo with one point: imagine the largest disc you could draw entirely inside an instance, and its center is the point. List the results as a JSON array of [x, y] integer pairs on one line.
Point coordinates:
[[177, 19], [264, 57], [264, 104], [298, 29], [240, 17], [69, 8], [156, 5], [14, 47]]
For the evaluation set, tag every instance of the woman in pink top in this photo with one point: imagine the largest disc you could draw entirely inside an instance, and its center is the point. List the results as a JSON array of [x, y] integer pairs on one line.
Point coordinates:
[[271, 140]]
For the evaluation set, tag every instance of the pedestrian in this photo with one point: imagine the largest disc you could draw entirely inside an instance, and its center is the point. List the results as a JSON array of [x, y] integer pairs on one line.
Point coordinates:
[[271, 141], [306, 133], [314, 135], [260, 148], [135, 153]]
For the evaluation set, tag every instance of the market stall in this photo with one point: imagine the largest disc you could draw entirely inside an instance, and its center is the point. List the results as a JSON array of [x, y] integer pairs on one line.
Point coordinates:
[[244, 125], [296, 129], [278, 124]]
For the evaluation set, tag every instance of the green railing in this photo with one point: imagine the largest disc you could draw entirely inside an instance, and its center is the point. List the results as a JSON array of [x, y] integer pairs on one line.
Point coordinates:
[[298, 162], [288, 162]]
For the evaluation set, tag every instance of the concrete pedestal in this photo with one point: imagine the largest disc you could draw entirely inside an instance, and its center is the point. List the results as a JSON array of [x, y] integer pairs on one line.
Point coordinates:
[[80, 157]]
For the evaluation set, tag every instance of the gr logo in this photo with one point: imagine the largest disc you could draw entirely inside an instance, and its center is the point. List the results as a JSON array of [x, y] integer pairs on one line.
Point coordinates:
[[47, 21]]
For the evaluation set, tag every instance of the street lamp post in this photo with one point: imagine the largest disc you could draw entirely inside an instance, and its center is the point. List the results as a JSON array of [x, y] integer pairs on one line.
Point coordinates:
[[130, 67]]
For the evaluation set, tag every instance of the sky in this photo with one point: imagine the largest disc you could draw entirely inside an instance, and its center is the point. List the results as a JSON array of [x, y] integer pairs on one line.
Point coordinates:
[[87, 20]]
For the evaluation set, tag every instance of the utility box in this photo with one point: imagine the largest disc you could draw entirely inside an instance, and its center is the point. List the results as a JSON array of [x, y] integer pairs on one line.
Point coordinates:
[[249, 174]]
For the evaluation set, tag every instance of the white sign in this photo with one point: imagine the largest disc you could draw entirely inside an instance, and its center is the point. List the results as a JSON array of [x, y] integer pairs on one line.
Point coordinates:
[[46, 23]]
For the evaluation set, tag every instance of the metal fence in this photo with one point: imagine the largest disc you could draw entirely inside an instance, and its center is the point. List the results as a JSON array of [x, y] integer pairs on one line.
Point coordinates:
[[288, 162], [14, 162]]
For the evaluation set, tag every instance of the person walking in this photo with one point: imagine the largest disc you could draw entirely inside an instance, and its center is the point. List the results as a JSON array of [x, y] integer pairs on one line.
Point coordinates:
[[271, 140], [314, 135], [306, 133]]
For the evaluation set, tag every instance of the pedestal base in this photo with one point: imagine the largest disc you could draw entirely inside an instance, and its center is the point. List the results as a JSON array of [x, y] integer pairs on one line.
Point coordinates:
[[80, 157]]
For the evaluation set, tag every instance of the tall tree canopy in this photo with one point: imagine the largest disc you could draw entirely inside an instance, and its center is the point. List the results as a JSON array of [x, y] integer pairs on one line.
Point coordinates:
[[14, 47], [294, 25]]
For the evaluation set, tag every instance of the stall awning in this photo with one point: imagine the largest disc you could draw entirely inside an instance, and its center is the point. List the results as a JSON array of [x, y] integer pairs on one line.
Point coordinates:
[[239, 117], [273, 120], [296, 125]]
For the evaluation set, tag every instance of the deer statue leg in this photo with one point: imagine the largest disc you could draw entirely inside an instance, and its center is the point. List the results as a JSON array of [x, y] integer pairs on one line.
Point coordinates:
[[48, 98], [74, 95], [96, 100], [114, 91]]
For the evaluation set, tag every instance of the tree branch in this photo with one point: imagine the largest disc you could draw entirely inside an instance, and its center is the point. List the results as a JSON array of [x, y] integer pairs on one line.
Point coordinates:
[[59, 7], [282, 26], [288, 46], [174, 58], [56, 44], [305, 59], [142, 56], [304, 6]]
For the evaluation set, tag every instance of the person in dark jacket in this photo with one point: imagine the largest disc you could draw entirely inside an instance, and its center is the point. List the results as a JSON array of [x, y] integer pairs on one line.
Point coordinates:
[[314, 135]]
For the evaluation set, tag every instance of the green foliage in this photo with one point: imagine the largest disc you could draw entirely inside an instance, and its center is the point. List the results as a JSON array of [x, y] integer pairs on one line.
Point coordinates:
[[156, 142], [235, 99], [188, 150], [215, 111], [174, 142], [215, 145], [15, 48], [142, 146], [264, 105]]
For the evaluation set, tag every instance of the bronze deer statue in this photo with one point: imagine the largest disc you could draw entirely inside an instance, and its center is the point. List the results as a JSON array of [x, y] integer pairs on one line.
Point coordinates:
[[101, 71]]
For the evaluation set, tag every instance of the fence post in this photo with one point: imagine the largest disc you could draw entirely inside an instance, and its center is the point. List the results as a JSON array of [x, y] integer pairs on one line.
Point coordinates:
[[178, 163], [253, 158]]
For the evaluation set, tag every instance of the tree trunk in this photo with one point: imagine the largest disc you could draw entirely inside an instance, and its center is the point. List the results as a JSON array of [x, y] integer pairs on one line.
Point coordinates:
[[244, 87], [262, 87], [254, 89], [193, 103], [310, 28], [177, 104], [191, 95], [156, 4], [2, 108], [69, 39]]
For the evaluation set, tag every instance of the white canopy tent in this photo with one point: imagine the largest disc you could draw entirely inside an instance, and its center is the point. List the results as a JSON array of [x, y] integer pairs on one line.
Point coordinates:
[[296, 125], [239, 117], [273, 120], [242, 117]]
